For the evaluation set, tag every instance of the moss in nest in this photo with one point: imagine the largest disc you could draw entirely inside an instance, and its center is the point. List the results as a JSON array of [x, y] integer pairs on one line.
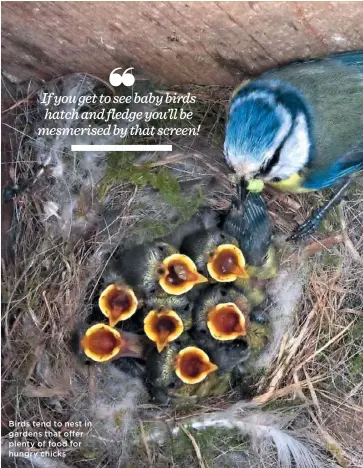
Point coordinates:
[[155, 228], [356, 365], [331, 259], [211, 441], [120, 167]]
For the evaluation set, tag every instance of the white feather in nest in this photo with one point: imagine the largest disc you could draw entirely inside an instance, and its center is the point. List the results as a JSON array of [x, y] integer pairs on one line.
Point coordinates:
[[112, 407], [266, 431], [285, 292]]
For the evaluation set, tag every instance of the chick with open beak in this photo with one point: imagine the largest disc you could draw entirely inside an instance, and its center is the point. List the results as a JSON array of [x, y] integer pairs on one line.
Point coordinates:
[[178, 275], [179, 365], [102, 343], [153, 267], [163, 326], [226, 322], [222, 312], [193, 365], [117, 303], [215, 253]]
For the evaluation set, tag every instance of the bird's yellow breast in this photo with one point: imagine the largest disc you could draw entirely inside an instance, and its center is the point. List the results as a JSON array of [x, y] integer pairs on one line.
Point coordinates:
[[292, 184]]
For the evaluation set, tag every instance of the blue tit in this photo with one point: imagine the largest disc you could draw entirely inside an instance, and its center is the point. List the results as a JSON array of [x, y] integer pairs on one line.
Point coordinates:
[[300, 128], [216, 254], [153, 267]]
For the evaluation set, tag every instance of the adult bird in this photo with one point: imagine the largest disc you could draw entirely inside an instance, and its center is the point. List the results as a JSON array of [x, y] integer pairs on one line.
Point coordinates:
[[300, 128]]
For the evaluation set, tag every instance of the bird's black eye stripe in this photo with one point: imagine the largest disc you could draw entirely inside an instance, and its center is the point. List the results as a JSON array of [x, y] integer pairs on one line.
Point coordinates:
[[272, 161]]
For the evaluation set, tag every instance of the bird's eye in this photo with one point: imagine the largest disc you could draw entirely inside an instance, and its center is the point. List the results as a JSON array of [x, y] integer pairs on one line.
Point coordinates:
[[276, 179]]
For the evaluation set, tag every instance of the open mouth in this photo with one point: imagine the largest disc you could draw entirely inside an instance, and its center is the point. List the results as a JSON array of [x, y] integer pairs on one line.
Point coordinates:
[[227, 263], [163, 327], [117, 303], [101, 342], [178, 274], [226, 322], [193, 365]]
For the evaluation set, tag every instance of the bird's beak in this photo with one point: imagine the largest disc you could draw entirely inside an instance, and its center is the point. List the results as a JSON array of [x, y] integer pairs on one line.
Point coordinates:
[[117, 303], [227, 263], [163, 327], [193, 365], [226, 322], [178, 275], [102, 343]]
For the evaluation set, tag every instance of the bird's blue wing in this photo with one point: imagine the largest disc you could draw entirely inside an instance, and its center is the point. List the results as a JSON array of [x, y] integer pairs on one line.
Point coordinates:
[[345, 166], [348, 59], [333, 90]]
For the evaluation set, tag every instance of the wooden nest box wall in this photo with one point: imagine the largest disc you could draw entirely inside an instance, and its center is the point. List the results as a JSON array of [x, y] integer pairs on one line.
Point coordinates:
[[206, 43]]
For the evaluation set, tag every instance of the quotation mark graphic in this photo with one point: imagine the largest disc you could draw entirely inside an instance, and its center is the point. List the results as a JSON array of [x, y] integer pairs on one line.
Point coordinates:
[[127, 78]]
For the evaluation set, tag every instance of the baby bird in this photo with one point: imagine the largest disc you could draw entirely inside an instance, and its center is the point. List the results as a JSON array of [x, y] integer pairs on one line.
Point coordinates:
[[166, 385], [215, 253], [176, 367], [291, 128], [102, 343], [221, 312], [118, 303], [163, 326], [167, 317], [224, 314], [249, 222], [154, 266], [227, 355]]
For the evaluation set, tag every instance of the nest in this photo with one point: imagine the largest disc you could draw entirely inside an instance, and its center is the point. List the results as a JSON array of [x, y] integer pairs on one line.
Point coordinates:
[[70, 214]]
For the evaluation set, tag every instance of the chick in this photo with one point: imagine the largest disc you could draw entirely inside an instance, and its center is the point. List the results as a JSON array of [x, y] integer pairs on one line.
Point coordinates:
[[227, 355], [118, 303], [163, 326], [167, 317], [221, 312], [178, 366], [102, 343], [249, 222], [155, 266], [259, 328], [224, 314], [215, 253]]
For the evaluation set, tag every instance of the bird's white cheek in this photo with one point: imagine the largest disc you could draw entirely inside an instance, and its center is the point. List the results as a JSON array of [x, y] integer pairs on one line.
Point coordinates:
[[295, 152]]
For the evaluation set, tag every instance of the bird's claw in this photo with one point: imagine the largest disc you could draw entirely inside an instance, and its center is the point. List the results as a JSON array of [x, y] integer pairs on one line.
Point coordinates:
[[306, 229]]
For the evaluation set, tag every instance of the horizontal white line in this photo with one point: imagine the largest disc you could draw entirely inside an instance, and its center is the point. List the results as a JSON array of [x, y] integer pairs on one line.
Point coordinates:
[[121, 148]]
